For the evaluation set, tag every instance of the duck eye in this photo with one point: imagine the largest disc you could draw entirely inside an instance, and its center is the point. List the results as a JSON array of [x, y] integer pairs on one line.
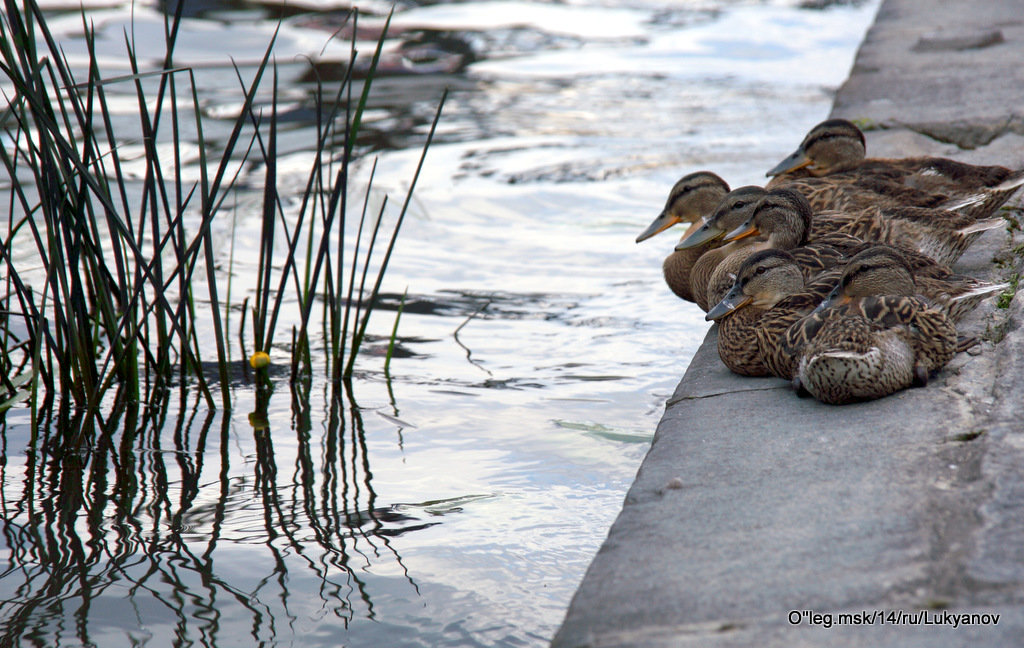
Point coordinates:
[[760, 270]]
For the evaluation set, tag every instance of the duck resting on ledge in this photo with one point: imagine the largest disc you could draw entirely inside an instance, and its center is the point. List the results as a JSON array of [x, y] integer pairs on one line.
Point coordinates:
[[872, 336], [692, 199], [832, 158]]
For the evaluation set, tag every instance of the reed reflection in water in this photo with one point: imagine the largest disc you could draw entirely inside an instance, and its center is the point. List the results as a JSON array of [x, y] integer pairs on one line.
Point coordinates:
[[134, 537]]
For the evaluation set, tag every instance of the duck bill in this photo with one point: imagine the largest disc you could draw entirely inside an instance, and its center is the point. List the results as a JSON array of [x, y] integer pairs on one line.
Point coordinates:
[[705, 233], [796, 160], [729, 304], [660, 224], [742, 232]]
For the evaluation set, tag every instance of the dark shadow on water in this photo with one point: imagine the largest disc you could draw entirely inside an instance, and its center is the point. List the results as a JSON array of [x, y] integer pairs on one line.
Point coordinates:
[[462, 304]]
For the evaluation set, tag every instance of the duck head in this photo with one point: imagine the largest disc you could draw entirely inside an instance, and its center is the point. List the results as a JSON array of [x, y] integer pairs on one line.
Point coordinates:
[[783, 215], [692, 198], [878, 270], [831, 146], [764, 278], [734, 209]]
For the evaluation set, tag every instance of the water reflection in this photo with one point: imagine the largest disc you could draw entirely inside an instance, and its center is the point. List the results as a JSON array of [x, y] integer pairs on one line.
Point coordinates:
[[132, 518]]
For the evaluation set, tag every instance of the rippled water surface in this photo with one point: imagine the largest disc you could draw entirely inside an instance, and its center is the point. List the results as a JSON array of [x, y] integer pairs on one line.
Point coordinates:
[[461, 502]]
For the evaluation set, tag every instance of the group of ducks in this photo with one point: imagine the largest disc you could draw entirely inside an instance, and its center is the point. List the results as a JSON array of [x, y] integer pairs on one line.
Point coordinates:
[[836, 275]]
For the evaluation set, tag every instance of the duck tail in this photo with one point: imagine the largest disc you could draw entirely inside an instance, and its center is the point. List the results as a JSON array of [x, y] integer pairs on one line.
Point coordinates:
[[963, 202], [981, 291], [1015, 180], [959, 306], [983, 203], [981, 226]]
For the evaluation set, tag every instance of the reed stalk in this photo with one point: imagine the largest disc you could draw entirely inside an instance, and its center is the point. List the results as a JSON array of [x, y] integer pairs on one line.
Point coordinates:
[[122, 281]]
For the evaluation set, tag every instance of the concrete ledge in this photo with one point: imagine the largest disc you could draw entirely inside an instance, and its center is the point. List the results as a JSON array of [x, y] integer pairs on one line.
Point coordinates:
[[949, 70], [753, 504]]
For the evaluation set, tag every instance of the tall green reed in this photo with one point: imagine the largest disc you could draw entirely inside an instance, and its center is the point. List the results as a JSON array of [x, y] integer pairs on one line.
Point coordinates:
[[120, 282]]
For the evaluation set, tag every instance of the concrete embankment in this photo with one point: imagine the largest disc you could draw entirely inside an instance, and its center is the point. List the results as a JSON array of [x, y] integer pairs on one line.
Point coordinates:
[[760, 518]]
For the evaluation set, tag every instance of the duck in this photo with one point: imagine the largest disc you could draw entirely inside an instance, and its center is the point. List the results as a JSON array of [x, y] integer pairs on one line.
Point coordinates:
[[734, 209], [854, 357], [692, 197], [691, 200], [784, 220], [768, 295], [877, 267], [832, 159], [871, 337], [942, 236]]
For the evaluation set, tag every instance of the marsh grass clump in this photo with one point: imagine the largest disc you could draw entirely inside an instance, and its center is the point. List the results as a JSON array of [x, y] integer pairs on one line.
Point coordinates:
[[1006, 297], [111, 286]]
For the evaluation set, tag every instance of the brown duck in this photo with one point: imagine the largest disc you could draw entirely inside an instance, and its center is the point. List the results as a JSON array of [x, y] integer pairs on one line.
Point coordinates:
[[877, 266], [734, 209], [832, 159], [870, 338], [694, 197], [940, 235], [769, 295]]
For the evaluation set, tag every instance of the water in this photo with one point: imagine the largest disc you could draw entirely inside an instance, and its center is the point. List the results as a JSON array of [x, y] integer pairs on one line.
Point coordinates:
[[461, 503]]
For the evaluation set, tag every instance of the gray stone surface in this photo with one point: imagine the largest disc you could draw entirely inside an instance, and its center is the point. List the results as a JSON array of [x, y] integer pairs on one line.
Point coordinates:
[[753, 503], [950, 70]]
